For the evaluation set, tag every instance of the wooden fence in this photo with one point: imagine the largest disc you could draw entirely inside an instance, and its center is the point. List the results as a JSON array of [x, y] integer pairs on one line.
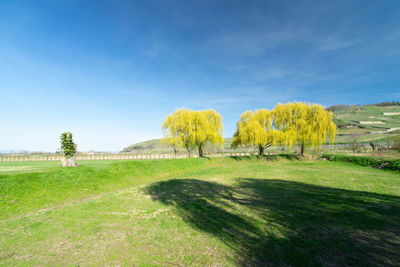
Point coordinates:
[[337, 148], [54, 157]]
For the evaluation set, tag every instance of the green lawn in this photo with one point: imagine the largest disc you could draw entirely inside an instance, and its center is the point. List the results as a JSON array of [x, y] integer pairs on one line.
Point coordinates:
[[199, 212], [11, 167]]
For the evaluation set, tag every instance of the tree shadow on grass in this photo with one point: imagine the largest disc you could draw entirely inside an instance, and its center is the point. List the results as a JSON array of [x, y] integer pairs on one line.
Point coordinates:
[[275, 222]]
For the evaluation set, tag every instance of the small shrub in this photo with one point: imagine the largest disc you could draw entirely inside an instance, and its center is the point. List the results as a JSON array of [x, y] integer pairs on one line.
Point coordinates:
[[386, 164]]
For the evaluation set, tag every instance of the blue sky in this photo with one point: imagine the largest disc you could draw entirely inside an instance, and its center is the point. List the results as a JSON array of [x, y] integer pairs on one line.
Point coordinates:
[[111, 71]]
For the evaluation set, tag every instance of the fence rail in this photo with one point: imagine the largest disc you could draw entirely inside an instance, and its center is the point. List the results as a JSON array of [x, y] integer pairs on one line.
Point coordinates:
[[337, 148], [111, 157]]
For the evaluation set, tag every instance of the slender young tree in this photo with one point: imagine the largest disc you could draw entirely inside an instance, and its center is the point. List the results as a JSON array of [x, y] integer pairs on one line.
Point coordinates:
[[171, 142], [68, 148]]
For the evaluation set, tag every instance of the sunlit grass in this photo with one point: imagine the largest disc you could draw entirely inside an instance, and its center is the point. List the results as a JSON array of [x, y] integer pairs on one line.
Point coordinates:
[[199, 212]]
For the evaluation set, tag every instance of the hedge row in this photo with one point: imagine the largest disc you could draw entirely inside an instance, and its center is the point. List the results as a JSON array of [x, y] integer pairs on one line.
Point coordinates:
[[386, 164]]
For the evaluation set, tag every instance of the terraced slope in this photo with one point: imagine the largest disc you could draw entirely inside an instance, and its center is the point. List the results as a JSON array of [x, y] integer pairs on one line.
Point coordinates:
[[367, 122]]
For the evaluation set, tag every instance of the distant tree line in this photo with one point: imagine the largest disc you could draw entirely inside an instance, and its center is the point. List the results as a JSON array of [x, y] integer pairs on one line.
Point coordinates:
[[388, 103], [334, 108]]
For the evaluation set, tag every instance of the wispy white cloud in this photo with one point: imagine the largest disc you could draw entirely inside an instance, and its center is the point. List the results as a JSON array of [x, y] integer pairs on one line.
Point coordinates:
[[221, 102], [260, 96], [289, 74], [258, 42], [335, 43], [255, 42]]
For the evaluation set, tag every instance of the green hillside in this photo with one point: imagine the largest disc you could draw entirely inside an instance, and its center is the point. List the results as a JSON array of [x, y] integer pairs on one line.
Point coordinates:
[[367, 123], [155, 146]]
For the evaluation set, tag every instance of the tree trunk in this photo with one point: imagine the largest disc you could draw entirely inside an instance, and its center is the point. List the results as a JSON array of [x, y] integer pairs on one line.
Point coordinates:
[[69, 162], [175, 151], [302, 148], [201, 151], [261, 150]]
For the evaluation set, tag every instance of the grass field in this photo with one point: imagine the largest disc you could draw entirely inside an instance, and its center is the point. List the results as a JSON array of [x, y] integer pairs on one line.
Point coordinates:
[[199, 212], [12, 167]]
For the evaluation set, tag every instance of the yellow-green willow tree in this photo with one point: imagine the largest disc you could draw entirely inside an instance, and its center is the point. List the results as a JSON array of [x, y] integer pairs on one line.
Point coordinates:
[[188, 128], [287, 124], [304, 124], [256, 129]]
